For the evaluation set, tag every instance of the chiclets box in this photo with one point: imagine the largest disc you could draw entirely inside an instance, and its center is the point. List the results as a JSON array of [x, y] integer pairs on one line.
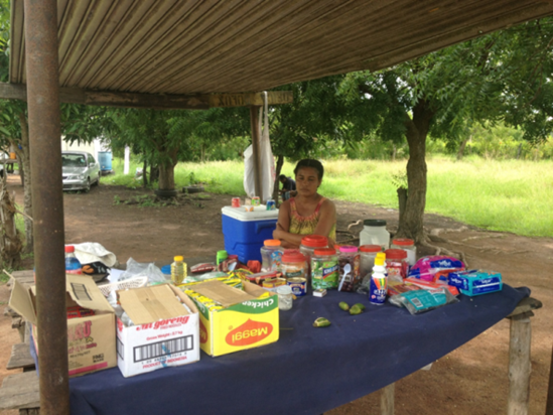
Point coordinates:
[[164, 334], [243, 322], [91, 339]]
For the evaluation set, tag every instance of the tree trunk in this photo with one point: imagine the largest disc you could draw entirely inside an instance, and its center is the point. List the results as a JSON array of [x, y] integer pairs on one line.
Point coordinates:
[[394, 152], [145, 174], [154, 173], [402, 200], [519, 151], [461, 151], [411, 221], [24, 156], [278, 169], [166, 177], [10, 243]]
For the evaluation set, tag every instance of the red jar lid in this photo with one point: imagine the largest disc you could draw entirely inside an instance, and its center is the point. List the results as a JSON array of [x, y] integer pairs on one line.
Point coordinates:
[[370, 248], [325, 251], [69, 249], [395, 254], [293, 255], [403, 242], [314, 241]]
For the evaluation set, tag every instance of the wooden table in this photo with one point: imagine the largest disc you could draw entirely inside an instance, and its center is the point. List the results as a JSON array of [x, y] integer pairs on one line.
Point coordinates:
[[519, 361]]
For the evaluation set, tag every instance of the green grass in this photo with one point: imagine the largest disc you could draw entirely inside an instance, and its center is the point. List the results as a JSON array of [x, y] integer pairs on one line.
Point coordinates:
[[503, 195]]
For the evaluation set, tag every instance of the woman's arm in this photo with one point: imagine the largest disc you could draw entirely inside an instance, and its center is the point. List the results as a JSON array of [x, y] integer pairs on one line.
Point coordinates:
[[327, 219], [287, 239]]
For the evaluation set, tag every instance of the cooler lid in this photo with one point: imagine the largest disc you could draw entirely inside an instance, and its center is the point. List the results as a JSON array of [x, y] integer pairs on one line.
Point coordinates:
[[259, 213]]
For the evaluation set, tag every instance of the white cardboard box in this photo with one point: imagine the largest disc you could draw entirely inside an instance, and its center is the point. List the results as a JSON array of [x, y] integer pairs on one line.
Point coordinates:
[[165, 333], [91, 339]]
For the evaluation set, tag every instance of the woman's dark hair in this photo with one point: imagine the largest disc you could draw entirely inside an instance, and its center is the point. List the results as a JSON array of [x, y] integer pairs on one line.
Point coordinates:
[[315, 164]]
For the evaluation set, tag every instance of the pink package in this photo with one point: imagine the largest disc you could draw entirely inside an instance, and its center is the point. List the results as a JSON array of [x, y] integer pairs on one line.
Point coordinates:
[[427, 266]]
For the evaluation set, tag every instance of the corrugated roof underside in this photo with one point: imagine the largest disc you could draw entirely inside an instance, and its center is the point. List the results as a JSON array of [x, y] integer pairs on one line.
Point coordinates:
[[180, 47]]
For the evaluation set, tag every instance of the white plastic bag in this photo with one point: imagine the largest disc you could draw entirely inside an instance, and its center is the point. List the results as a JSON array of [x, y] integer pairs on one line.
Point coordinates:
[[267, 162]]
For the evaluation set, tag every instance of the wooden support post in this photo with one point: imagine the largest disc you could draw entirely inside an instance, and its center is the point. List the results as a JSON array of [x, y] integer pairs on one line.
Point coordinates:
[[549, 407], [519, 364], [256, 147], [387, 399]]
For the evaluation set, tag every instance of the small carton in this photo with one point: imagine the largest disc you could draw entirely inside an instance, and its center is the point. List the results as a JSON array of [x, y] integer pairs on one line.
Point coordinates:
[[476, 282], [91, 339], [245, 321], [164, 333]]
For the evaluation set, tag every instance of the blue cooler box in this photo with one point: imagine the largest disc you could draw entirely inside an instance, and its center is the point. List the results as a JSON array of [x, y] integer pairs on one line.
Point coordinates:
[[245, 232]]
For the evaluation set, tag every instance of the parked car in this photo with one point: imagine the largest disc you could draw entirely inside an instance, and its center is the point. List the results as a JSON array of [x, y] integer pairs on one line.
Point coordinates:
[[80, 170]]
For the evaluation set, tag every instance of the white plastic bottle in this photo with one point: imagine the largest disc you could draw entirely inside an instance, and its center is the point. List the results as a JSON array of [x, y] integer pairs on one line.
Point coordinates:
[[378, 289], [374, 233]]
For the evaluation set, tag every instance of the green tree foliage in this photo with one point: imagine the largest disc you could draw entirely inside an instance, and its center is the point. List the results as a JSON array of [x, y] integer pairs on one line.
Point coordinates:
[[504, 76]]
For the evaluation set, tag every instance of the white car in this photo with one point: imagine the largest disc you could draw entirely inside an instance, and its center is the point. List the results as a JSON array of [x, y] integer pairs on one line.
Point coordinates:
[[80, 170]]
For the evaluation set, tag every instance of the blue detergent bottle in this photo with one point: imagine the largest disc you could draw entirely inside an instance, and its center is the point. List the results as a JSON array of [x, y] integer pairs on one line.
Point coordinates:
[[72, 264]]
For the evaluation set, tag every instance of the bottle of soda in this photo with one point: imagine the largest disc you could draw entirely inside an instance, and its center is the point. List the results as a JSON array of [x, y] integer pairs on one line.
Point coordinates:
[[378, 288], [72, 264], [178, 270]]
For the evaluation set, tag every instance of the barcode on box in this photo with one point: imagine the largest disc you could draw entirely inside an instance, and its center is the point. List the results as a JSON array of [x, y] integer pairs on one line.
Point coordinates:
[[416, 302], [163, 348], [120, 349], [80, 292]]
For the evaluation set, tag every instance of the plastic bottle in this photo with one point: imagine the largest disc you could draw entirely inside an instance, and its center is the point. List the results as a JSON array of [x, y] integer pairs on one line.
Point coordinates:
[[72, 264], [379, 280], [178, 270], [374, 233]]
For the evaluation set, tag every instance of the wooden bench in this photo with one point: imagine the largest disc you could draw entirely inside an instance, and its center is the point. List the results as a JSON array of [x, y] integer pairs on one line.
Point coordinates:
[[21, 392], [21, 358]]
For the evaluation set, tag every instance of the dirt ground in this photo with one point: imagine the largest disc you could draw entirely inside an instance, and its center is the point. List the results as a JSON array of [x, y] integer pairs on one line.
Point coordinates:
[[471, 380]]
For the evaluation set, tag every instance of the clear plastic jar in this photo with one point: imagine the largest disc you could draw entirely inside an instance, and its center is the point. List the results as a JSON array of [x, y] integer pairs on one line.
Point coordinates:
[[285, 299], [348, 261], [408, 245], [324, 269], [374, 233], [396, 264], [367, 254], [271, 255], [308, 245], [293, 264]]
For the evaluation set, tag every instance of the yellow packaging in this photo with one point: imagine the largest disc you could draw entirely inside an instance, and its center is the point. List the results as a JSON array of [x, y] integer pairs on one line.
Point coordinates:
[[245, 319]]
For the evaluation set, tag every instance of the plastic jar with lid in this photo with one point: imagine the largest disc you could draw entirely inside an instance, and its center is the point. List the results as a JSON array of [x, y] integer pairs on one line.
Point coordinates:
[[294, 264], [396, 264], [271, 255], [348, 261], [285, 299], [308, 245], [367, 254], [324, 269], [408, 245], [374, 233]]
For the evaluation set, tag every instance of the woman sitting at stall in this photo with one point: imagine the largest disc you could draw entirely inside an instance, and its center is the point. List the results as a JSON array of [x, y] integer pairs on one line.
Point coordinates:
[[308, 212]]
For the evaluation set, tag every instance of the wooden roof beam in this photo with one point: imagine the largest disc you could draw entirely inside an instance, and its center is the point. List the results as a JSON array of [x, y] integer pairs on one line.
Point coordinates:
[[155, 101]]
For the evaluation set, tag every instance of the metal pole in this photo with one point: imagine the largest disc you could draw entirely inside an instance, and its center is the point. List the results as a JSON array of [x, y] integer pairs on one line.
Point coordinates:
[[254, 119], [41, 45]]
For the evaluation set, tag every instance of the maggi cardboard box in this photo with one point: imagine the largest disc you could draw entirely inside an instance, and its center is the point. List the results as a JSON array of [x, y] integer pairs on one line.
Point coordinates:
[[91, 339], [245, 319], [165, 330]]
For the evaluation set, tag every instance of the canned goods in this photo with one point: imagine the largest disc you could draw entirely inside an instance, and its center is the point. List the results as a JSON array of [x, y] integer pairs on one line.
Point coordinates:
[[271, 205], [235, 202], [256, 201], [298, 286], [272, 283]]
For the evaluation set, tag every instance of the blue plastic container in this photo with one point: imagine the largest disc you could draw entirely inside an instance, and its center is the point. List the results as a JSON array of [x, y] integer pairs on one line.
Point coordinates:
[[104, 158], [245, 232]]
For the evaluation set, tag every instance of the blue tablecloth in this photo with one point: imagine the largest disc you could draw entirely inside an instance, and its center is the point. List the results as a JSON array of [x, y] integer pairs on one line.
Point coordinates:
[[308, 371]]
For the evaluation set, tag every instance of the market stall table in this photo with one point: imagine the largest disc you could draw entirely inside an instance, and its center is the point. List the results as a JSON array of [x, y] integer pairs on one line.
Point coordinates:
[[309, 370]]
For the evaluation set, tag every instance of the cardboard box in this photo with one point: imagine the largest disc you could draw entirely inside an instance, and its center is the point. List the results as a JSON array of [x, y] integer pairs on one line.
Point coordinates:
[[245, 321], [91, 339], [164, 334], [476, 282]]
